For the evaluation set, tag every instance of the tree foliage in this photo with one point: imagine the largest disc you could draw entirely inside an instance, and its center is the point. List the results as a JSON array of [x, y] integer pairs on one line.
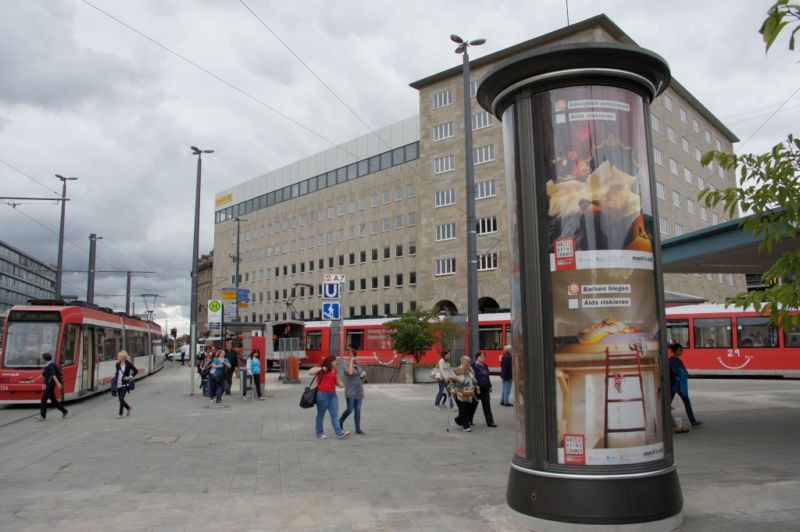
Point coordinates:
[[417, 330], [769, 187]]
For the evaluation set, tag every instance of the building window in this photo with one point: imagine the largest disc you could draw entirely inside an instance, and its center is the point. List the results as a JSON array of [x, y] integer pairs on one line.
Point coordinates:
[[673, 166], [678, 229], [485, 189], [670, 134], [412, 305], [398, 250], [362, 256], [690, 206], [698, 154], [660, 190], [374, 254], [352, 285], [373, 199], [473, 88], [443, 164], [714, 218], [487, 262], [352, 259], [487, 225], [445, 266], [695, 126], [387, 281], [655, 123], [707, 136], [701, 184], [703, 214], [362, 285], [676, 198], [481, 120], [687, 175], [668, 103], [445, 232], [682, 113], [658, 158], [662, 225], [398, 193], [443, 131], [684, 145], [398, 221], [444, 197], [387, 223], [412, 247], [375, 282], [442, 99], [386, 197], [398, 279], [412, 191], [387, 252], [412, 278], [412, 219], [483, 154]]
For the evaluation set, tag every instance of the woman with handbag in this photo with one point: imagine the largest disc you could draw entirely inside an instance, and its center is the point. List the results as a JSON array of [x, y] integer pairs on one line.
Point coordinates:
[[124, 374], [440, 373], [327, 381], [254, 372], [464, 387]]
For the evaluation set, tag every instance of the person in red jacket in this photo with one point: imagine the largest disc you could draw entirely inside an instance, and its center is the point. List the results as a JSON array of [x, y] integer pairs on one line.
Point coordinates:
[[327, 381]]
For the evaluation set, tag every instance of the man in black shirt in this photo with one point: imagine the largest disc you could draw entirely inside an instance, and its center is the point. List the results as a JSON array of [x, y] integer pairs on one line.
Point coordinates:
[[233, 358], [484, 387], [52, 379]]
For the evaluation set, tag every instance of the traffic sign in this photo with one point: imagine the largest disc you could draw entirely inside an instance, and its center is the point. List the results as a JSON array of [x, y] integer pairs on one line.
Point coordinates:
[[331, 311], [333, 278], [331, 291]]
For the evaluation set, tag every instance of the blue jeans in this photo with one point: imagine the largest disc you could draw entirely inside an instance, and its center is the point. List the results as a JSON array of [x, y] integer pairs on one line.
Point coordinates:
[[328, 402], [443, 394], [353, 405], [506, 392], [217, 387]]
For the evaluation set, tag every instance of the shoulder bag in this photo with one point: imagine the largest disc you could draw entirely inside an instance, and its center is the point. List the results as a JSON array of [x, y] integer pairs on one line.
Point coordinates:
[[309, 397]]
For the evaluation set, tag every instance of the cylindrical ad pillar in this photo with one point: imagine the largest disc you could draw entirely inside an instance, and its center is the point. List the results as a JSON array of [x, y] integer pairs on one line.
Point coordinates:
[[592, 390]]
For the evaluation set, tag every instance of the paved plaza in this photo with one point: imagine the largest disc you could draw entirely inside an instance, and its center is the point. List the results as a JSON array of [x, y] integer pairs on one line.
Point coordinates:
[[181, 463]]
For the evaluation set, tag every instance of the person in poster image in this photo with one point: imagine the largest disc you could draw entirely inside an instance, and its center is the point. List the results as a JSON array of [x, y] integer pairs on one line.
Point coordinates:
[[484, 388], [506, 375], [679, 381]]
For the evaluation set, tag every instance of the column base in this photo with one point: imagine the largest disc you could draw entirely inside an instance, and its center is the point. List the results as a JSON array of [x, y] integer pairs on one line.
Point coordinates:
[[597, 499]]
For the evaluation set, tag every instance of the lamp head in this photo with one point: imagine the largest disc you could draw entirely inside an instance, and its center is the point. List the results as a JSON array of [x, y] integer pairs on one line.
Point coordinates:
[[456, 39], [477, 42]]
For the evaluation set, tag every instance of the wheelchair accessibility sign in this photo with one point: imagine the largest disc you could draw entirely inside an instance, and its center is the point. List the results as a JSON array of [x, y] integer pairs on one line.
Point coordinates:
[[331, 311]]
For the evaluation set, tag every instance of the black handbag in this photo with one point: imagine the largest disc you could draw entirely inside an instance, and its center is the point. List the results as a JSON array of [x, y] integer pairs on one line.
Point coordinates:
[[309, 397], [131, 384], [114, 387]]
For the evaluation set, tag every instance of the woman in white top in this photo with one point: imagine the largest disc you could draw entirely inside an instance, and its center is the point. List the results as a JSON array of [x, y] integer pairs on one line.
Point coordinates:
[[124, 374], [254, 371], [442, 371]]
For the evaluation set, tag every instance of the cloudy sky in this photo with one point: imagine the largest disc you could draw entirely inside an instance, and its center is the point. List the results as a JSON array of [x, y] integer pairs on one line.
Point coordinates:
[[115, 91]]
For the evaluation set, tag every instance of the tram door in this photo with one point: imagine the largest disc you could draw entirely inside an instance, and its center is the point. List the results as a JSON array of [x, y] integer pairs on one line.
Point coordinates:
[[88, 356]]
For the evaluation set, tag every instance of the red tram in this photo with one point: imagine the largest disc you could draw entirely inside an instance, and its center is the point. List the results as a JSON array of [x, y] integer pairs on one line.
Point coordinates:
[[373, 344], [83, 339], [720, 341]]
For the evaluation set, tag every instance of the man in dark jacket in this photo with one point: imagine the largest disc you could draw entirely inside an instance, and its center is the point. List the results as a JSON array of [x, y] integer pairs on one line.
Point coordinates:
[[52, 379], [506, 374], [484, 388], [233, 358]]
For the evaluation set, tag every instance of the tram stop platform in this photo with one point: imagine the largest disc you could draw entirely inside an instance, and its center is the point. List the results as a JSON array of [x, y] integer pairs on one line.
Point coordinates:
[[180, 462]]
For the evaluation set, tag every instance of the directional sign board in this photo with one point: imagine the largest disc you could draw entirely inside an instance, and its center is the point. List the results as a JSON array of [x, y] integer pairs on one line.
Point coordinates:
[[331, 311], [331, 291], [333, 278]]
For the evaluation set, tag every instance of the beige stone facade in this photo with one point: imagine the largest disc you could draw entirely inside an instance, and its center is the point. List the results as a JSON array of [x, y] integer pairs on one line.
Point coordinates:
[[395, 225]]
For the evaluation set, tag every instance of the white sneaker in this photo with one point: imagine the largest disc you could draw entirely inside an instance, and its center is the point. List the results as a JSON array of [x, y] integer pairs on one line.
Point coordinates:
[[322, 437], [466, 429], [437, 407], [343, 435]]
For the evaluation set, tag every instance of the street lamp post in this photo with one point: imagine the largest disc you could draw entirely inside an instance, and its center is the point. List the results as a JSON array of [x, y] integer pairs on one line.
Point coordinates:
[[472, 252], [60, 271], [236, 260], [195, 252]]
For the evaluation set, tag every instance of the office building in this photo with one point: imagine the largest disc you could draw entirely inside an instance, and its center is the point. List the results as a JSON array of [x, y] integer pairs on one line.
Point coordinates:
[[22, 278]]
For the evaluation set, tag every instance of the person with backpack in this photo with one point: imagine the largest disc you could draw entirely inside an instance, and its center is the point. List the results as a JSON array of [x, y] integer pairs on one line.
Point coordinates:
[[53, 380], [232, 362]]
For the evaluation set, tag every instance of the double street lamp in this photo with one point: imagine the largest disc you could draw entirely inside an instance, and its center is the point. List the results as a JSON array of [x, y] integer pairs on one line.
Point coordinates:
[[60, 271], [472, 252], [195, 252]]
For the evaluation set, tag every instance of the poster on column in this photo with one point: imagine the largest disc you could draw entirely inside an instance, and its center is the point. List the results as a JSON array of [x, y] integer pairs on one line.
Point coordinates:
[[605, 315]]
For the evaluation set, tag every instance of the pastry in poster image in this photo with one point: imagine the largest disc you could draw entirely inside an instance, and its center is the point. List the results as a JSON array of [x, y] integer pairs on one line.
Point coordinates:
[[602, 212], [599, 330]]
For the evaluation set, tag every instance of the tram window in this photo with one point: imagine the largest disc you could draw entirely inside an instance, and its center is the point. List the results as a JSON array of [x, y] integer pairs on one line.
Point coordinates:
[[490, 337], [69, 345], [712, 332], [25, 343], [757, 332], [355, 339], [792, 339], [112, 343], [314, 340], [678, 332]]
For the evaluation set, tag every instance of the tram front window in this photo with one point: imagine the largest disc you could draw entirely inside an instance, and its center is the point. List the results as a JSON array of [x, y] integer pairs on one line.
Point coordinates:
[[25, 343]]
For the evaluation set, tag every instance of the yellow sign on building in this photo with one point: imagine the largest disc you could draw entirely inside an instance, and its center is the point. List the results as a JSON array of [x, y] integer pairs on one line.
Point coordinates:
[[225, 198]]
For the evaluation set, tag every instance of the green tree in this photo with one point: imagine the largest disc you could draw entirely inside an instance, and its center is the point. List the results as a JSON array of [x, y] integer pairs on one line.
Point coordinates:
[[769, 187], [417, 330]]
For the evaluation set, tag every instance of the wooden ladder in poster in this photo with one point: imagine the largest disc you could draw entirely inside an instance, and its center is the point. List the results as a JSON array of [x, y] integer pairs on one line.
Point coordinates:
[[623, 360]]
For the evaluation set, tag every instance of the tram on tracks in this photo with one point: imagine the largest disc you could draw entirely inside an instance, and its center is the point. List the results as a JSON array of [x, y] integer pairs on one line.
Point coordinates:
[[82, 338], [732, 342], [373, 343]]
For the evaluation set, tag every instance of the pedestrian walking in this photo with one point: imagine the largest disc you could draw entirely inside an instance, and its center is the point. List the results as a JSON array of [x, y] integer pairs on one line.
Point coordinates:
[[254, 372], [353, 377], [506, 375], [441, 374], [327, 381], [463, 387], [232, 357], [483, 390], [53, 383], [124, 374], [679, 382], [219, 367]]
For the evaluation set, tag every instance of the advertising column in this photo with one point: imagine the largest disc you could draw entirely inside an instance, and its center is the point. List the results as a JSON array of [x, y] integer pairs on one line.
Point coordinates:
[[593, 433]]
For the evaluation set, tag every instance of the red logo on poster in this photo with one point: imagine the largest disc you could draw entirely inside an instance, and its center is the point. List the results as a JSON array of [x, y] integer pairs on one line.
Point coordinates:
[[575, 449], [565, 253]]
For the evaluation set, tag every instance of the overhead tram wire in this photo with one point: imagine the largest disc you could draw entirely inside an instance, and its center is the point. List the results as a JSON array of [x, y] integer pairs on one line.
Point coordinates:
[[769, 118], [31, 178]]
